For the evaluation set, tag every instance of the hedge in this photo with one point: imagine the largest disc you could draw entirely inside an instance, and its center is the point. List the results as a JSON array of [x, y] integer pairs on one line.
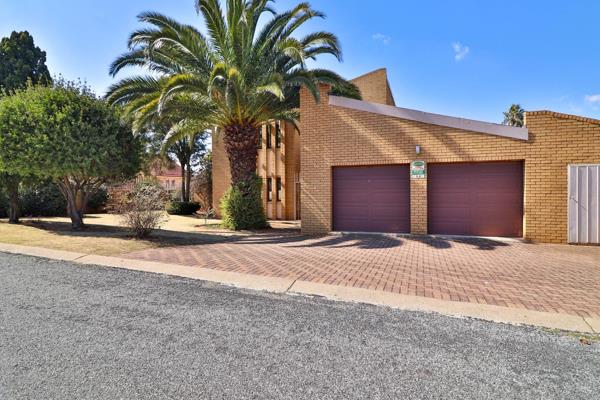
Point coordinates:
[[182, 208]]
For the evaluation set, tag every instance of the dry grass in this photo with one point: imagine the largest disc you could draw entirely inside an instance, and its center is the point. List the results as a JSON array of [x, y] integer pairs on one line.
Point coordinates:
[[94, 239]]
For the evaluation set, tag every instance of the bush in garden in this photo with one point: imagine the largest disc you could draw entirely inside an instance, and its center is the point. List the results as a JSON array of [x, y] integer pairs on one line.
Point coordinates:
[[3, 204], [142, 208], [43, 199], [182, 207], [241, 206], [98, 199]]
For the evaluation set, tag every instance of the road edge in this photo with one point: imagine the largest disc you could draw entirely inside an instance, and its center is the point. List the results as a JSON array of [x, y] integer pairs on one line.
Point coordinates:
[[291, 286]]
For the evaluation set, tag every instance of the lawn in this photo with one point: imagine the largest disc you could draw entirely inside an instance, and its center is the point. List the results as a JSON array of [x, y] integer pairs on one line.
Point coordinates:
[[104, 236]]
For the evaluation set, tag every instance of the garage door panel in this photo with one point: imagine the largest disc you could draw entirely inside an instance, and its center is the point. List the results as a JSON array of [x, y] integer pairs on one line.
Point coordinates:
[[482, 199], [371, 199]]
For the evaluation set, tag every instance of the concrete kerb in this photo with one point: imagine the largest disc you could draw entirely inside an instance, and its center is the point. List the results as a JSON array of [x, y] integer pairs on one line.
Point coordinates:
[[245, 281], [594, 323], [332, 292], [41, 252], [451, 308]]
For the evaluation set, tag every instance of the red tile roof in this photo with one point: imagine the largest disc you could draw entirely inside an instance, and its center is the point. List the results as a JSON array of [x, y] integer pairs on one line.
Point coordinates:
[[174, 171]]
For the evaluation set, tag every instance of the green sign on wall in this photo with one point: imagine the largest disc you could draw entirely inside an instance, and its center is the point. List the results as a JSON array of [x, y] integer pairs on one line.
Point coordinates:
[[418, 170]]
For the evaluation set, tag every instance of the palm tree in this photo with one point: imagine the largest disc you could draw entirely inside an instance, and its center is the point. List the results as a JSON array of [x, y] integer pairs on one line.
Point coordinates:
[[514, 115], [239, 76]]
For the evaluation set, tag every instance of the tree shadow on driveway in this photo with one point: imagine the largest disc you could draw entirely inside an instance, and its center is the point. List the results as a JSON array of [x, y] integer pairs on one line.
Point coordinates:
[[370, 241], [441, 242]]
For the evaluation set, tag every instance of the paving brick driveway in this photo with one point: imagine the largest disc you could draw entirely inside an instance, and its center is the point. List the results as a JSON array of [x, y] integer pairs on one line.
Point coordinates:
[[543, 277]]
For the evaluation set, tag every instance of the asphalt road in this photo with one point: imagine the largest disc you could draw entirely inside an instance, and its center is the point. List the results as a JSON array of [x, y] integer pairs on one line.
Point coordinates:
[[76, 332]]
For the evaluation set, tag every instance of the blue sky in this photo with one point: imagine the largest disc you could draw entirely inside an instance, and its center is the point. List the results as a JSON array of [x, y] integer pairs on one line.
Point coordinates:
[[463, 58]]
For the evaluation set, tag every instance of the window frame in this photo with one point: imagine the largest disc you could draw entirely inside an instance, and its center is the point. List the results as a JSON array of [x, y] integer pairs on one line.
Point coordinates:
[[277, 135], [269, 136], [269, 189], [278, 188]]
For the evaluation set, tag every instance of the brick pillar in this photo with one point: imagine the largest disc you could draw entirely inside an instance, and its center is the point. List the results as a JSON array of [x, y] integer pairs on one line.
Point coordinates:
[[418, 206]]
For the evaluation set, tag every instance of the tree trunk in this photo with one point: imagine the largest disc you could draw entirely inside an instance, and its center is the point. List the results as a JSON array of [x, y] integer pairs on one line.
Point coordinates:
[[13, 199], [76, 199], [188, 182], [240, 145], [183, 185], [75, 215], [245, 209]]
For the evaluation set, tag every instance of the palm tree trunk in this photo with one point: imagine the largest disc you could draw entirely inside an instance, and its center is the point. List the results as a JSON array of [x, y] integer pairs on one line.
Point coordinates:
[[247, 212], [183, 186], [240, 145], [188, 181]]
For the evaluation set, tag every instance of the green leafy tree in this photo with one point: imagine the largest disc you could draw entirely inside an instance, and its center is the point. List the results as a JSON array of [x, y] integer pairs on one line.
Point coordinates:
[[66, 134], [514, 116], [239, 76], [20, 62]]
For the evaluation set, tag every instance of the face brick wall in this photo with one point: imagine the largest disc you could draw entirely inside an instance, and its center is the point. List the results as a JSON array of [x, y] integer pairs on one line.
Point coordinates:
[[335, 136], [374, 87], [283, 162], [286, 161]]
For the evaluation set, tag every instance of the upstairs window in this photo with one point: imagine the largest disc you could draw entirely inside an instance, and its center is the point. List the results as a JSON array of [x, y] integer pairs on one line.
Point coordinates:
[[269, 134], [277, 134], [269, 189], [278, 188]]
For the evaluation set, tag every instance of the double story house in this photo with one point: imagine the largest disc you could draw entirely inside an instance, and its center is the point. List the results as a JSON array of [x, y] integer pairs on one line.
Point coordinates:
[[370, 166]]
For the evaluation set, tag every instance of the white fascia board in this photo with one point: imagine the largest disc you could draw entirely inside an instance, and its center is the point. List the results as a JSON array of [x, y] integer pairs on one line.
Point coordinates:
[[512, 132]]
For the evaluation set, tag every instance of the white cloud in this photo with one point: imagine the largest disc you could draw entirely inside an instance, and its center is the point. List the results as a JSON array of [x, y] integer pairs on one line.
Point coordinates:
[[385, 39], [460, 51], [592, 98]]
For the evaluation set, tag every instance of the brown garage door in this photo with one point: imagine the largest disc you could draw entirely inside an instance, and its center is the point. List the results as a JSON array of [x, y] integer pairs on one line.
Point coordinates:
[[371, 199], [481, 199]]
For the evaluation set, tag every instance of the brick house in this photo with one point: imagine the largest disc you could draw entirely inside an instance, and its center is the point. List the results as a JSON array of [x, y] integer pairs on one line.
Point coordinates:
[[278, 162], [169, 178], [370, 166]]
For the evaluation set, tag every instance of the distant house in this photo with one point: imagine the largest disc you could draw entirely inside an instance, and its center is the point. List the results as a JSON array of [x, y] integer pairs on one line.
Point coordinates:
[[169, 178]]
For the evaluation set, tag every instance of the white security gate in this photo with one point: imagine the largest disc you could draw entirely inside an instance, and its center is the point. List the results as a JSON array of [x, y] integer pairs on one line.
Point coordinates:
[[584, 203]]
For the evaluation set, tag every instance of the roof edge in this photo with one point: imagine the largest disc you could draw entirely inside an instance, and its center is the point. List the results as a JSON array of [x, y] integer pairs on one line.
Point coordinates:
[[370, 73], [564, 116], [512, 132]]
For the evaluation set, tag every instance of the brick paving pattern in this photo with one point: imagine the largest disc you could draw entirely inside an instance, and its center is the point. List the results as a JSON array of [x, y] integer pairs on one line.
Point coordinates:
[[542, 277]]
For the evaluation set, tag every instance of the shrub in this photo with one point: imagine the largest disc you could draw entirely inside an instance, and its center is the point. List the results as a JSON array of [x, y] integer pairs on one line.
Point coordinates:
[[42, 199], [182, 207], [176, 195], [3, 204], [241, 206], [207, 213], [142, 208], [97, 201]]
